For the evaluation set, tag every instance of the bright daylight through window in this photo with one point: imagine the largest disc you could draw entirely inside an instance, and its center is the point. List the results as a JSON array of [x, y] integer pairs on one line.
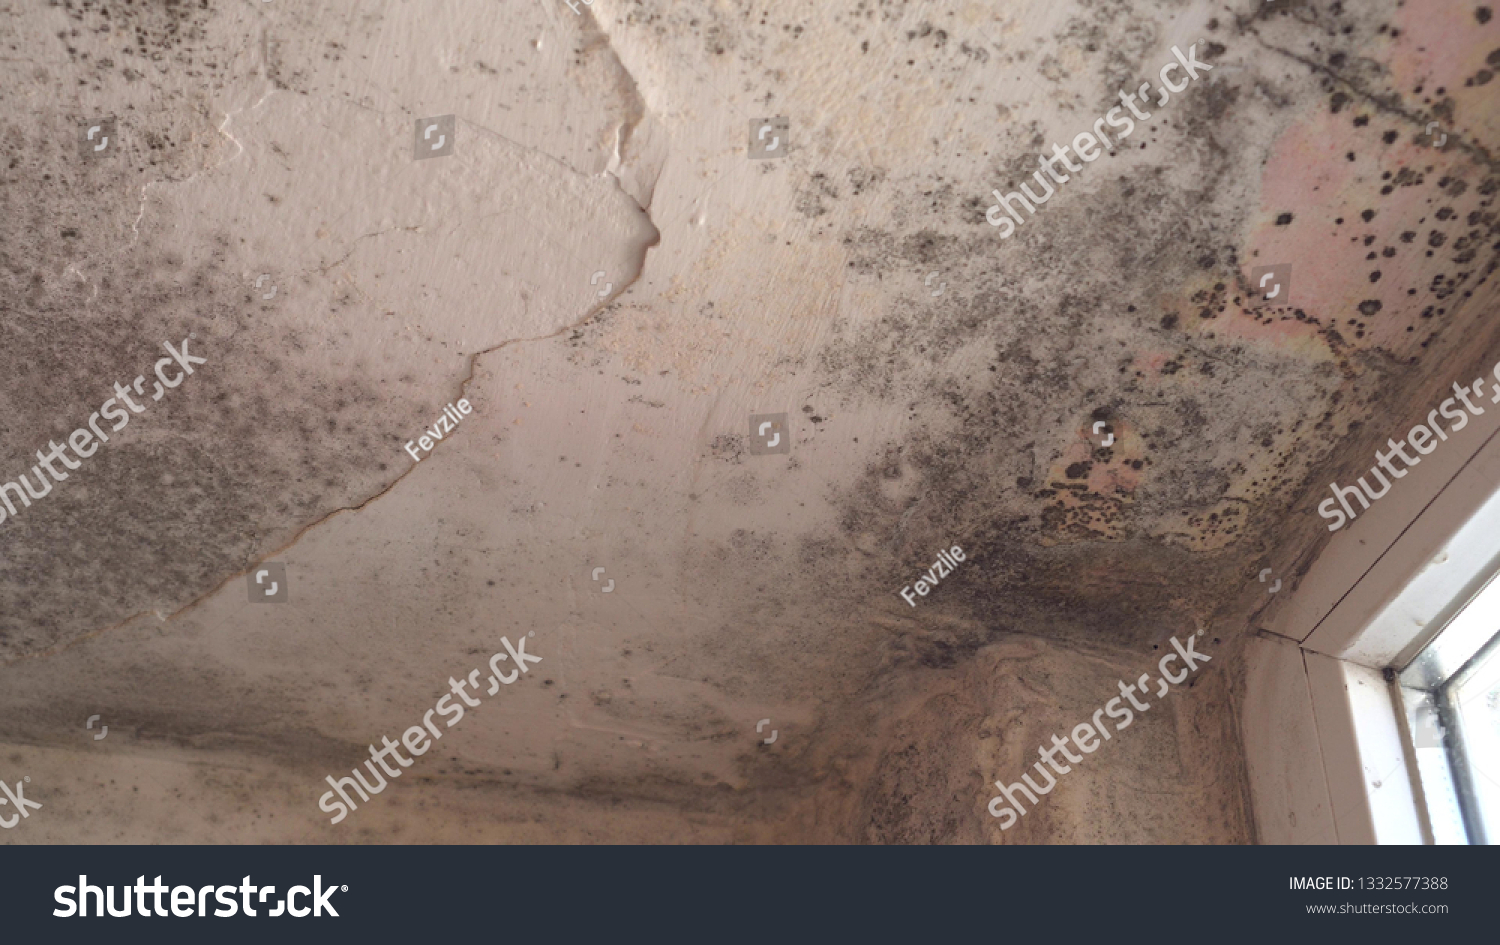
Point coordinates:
[[1451, 692]]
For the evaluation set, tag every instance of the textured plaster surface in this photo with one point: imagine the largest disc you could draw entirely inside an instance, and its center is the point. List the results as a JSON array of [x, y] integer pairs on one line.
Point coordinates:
[[612, 431]]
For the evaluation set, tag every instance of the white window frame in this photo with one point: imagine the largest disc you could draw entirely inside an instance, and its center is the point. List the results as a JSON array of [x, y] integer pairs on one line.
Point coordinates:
[[1327, 725]]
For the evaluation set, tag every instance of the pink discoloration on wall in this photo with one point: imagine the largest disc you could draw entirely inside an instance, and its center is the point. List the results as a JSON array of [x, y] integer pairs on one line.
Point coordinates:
[[1310, 175], [1114, 478], [1282, 331], [1337, 273], [1442, 46]]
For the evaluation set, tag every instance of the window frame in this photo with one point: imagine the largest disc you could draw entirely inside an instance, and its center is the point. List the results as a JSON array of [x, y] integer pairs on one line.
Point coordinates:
[[1326, 660]]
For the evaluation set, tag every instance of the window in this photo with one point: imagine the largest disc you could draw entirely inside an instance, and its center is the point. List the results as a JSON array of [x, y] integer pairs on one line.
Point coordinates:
[[1373, 700], [1451, 694]]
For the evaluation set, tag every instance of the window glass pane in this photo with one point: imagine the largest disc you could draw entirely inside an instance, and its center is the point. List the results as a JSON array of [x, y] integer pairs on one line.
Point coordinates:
[[1476, 697], [1430, 748]]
